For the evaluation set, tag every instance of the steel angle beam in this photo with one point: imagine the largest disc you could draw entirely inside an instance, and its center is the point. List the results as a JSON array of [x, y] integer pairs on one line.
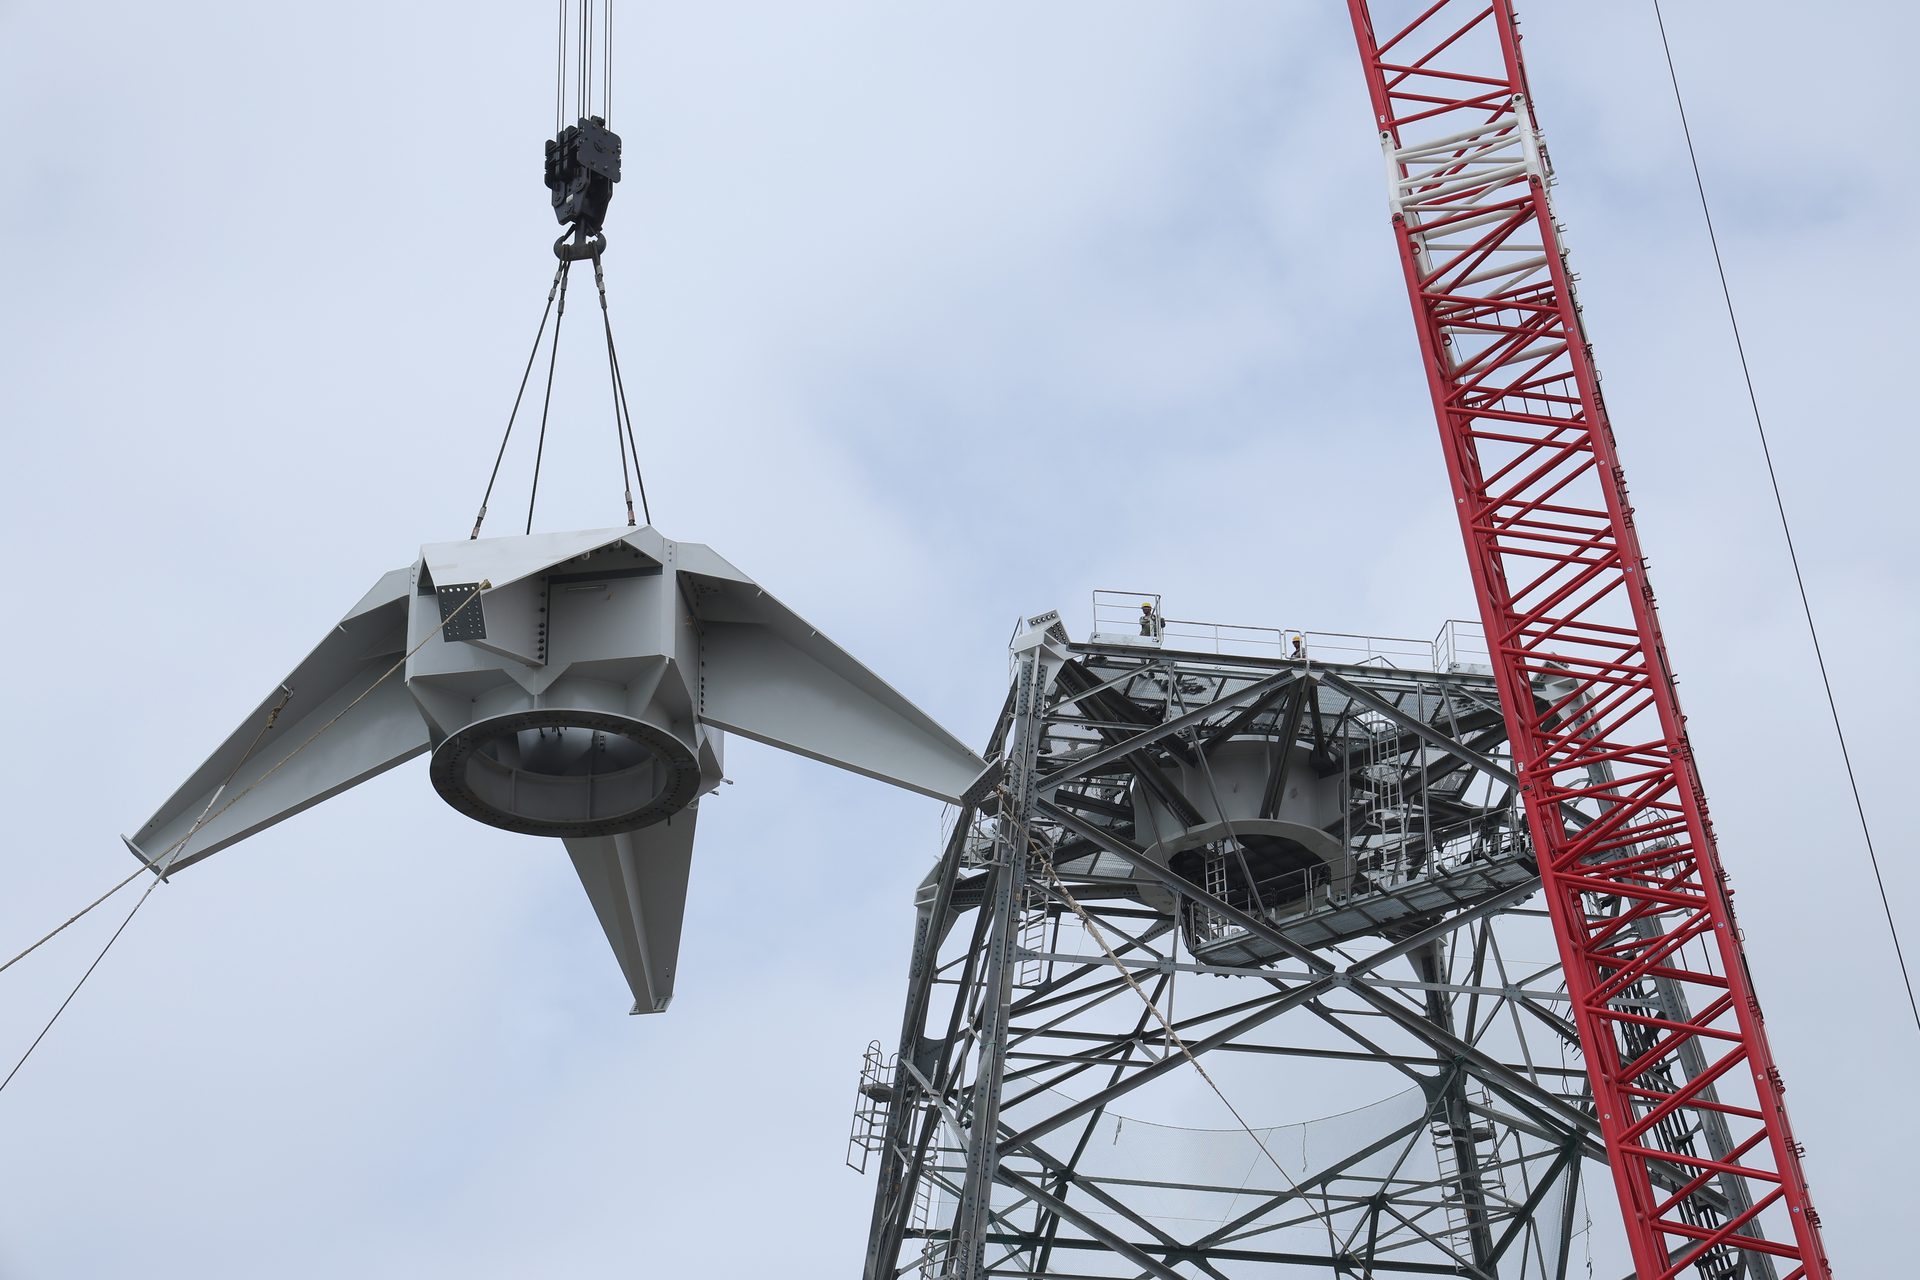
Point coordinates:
[[1415, 726], [1082, 765]]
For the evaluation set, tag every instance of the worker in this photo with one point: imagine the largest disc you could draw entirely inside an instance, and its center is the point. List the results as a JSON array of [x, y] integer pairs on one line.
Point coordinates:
[[1149, 620], [1299, 653]]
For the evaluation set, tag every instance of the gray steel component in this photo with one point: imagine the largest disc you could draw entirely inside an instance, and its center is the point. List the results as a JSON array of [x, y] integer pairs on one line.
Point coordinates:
[[575, 685]]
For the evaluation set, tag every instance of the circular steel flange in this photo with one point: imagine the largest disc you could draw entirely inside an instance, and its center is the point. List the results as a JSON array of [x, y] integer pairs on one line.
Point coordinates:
[[565, 772]]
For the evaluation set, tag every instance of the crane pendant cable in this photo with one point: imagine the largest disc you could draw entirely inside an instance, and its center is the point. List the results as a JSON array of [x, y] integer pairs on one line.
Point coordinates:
[[582, 167], [1786, 528]]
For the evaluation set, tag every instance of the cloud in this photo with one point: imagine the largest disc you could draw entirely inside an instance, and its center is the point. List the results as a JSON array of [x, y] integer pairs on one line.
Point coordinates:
[[932, 316]]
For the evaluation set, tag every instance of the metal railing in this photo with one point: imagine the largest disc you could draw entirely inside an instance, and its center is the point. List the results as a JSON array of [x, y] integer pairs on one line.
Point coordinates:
[[871, 1103], [1371, 651], [1230, 638], [1377, 868], [1127, 617], [1120, 618], [1293, 893], [1461, 645]]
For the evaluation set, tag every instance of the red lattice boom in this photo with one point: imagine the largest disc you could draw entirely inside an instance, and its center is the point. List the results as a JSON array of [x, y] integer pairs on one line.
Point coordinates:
[[1687, 1093]]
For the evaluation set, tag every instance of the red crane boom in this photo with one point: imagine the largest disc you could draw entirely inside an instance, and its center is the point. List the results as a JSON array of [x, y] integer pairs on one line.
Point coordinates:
[[1689, 1102]]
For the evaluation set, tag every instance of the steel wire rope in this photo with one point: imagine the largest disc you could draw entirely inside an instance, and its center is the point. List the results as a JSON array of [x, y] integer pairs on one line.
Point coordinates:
[[159, 877], [72, 919], [623, 412], [83, 982], [546, 404], [1786, 528], [164, 863], [619, 438], [267, 724], [625, 441], [532, 355], [1100, 939]]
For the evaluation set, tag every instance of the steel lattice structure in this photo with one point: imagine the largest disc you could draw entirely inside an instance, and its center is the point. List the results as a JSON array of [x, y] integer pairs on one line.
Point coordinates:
[[1344, 845], [1638, 896]]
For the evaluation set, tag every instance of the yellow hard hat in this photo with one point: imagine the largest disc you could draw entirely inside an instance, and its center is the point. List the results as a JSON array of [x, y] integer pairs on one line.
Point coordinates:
[[1146, 604]]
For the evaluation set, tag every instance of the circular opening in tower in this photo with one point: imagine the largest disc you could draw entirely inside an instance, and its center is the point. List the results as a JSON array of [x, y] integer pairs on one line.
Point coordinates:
[[560, 772]]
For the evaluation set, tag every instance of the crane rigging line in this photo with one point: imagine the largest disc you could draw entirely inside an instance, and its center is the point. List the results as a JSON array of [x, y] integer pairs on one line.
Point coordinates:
[[83, 982], [162, 864], [71, 920], [1786, 528], [581, 209], [546, 405], [159, 866], [622, 414], [480, 519]]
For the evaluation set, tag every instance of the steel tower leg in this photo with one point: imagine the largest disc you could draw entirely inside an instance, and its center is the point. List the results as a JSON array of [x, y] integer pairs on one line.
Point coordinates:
[[913, 1117], [927, 1098], [1008, 876], [1460, 1121]]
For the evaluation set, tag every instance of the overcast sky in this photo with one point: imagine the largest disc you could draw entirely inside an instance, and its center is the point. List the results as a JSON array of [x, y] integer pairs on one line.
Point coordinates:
[[932, 314]]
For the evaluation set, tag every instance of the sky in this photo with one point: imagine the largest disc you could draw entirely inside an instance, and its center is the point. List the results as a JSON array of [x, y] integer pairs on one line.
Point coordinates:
[[931, 316]]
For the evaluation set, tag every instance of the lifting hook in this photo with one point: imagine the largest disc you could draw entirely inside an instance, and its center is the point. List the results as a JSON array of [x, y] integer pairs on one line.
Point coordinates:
[[584, 245]]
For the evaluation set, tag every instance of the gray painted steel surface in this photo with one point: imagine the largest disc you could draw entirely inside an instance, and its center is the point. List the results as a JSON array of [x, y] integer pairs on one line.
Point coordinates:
[[574, 685]]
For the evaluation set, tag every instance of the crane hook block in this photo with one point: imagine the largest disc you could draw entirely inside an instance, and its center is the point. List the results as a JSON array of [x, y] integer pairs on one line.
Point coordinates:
[[583, 163]]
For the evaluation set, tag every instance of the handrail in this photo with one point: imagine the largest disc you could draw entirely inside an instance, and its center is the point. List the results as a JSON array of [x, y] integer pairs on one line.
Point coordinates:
[[1117, 619]]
